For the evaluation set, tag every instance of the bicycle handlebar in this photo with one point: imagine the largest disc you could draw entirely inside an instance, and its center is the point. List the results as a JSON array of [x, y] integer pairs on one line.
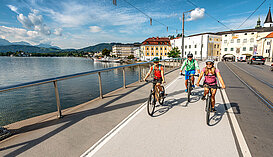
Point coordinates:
[[150, 81], [208, 86], [197, 75]]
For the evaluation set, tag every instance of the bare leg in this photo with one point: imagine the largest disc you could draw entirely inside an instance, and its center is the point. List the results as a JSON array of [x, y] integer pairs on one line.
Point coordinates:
[[186, 83], [213, 92], [206, 91], [192, 80]]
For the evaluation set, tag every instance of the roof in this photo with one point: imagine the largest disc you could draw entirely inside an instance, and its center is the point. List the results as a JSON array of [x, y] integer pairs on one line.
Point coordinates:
[[156, 41], [263, 29], [269, 35], [268, 17]]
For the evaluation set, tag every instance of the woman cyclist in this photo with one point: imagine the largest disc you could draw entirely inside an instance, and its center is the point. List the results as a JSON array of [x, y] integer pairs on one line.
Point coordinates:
[[211, 73]]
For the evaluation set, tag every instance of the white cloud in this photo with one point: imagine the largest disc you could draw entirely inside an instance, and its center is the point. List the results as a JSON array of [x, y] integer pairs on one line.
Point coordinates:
[[197, 13], [13, 8], [95, 29], [58, 31]]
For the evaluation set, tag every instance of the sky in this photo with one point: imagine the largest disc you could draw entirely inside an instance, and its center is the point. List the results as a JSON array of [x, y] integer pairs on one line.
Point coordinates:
[[82, 23]]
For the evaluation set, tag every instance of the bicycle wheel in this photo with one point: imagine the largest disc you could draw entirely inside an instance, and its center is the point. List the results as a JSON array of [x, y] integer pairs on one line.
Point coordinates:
[[151, 104], [189, 91], [208, 109], [161, 100]]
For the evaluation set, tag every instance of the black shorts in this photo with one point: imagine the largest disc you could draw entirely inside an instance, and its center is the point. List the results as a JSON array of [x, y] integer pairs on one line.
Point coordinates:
[[158, 80], [212, 86]]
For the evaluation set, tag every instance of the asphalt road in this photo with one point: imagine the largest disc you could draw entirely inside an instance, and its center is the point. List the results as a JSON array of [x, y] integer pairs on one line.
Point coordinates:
[[253, 115]]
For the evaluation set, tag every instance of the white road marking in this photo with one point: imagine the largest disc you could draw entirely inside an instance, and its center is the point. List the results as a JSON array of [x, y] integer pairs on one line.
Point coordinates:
[[92, 150]]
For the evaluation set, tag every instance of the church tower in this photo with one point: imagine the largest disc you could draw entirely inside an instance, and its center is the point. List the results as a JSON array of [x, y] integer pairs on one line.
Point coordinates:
[[258, 23], [268, 21]]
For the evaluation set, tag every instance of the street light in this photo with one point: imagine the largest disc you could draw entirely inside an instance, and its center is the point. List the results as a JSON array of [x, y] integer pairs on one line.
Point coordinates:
[[183, 19]]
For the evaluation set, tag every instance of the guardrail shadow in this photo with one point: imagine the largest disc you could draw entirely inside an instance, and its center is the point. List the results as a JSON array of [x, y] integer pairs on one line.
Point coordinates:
[[67, 121], [218, 115]]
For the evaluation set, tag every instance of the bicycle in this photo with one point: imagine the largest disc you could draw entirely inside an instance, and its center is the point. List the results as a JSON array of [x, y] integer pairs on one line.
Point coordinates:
[[155, 96], [189, 84], [208, 102]]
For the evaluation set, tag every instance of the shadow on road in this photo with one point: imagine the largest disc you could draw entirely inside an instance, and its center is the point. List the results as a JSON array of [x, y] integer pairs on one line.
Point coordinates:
[[218, 115]]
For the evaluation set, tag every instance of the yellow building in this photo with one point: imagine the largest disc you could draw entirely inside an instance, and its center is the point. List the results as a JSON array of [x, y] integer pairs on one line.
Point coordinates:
[[214, 46], [155, 47]]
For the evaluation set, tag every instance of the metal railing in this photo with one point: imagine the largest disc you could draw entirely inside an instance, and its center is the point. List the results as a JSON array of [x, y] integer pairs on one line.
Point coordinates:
[[172, 63]]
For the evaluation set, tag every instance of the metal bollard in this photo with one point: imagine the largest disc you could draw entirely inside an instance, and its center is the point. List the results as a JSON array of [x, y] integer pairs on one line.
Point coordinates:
[[124, 81], [57, 100], [100, 85]]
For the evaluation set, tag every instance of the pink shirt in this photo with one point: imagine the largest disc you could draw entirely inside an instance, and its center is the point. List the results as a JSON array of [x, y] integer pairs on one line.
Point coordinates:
[[210, 79]]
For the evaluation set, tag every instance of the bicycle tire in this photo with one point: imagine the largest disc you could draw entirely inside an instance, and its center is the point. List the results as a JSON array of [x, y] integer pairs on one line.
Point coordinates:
[[189, 91], [151, 104], [161, 100], [208, 109]]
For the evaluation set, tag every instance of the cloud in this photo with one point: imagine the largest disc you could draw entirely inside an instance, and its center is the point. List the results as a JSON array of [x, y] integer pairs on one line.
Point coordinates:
[[13, 8], [34, 22], [95, 29], [58, 31], [197, 13]]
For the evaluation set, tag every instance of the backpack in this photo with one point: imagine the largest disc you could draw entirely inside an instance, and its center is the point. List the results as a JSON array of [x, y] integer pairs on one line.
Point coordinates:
[[193, 62], [159, 68]]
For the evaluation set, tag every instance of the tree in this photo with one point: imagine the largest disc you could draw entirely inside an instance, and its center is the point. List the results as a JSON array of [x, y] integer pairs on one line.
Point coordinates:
[[131, 57], [106, 52], [174, 53]]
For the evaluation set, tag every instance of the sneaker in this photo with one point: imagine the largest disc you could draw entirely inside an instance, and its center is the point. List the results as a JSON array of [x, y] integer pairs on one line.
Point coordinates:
[[203, 98], [213, 110], [193, 86], [186, 90]]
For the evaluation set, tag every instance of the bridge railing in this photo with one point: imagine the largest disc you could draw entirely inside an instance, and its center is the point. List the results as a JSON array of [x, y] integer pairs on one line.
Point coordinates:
[[168, 64]]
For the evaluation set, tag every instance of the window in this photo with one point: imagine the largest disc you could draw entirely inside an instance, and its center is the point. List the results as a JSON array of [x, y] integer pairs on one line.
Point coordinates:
[[209, 39], [214, 45], [225, 41], [225, 49], [160, 54], [189, 46], [252, 33], [218, 46], [147, 48], [195, 46], [195, 52], [231, 49], [165, 54], [251, 49], [232, 41], [152, 54], [238, 41], [217, 53], [165, 48], [185, 46], [147, 54], [160, 48], [245, 33], [225, 35], [157, 54], [244, 48], [156, 48], [245, 41], [252, 40], [268, 43], [152, 48], [185, 52]]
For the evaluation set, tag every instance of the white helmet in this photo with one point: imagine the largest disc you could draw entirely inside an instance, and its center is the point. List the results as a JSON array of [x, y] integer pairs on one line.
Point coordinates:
[[210, 60]]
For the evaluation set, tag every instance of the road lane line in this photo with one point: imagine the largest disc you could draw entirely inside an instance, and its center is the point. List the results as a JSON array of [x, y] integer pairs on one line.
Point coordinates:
[[92, 150]]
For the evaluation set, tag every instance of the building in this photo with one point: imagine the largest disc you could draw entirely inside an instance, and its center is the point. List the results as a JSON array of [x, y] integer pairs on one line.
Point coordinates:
[[124, 50], [155, 47], [247, 41], [265, 46], [137, 52], [202, 46]]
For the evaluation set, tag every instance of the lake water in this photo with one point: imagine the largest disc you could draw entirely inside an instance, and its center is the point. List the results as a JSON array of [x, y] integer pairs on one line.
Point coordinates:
[[28, 102]]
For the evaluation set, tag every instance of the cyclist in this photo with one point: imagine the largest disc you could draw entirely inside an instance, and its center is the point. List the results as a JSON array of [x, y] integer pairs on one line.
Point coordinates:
[[191, 65], [211, 73], [158, 74]]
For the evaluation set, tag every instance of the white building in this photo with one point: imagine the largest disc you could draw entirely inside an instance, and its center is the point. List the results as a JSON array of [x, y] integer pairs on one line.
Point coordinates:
[[247, 41], [137, 52], [124, 50], [204, 45]]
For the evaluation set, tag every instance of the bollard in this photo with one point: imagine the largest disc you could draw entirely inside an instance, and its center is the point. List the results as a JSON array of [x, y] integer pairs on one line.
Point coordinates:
[[100, 85], [57, 100]]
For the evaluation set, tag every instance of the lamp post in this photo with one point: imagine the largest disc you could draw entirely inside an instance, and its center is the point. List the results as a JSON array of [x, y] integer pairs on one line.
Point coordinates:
[[183, 19]]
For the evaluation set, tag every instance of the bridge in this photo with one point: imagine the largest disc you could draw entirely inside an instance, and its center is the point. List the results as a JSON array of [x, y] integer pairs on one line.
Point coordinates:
[[118, 125]]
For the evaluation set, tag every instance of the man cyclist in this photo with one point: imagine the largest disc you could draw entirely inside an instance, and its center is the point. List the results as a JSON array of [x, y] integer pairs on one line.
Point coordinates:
[[158, 73], [191, 65]]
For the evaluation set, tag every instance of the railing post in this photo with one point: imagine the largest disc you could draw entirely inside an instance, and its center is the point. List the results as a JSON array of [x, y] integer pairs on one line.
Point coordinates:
[[173, 63], [100, 85], [169, 64], [139, 73], [58, 100], [164, 65], [124, 81]]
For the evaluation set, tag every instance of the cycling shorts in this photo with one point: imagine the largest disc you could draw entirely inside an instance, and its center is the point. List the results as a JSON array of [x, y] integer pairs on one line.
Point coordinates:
[[189, 73]]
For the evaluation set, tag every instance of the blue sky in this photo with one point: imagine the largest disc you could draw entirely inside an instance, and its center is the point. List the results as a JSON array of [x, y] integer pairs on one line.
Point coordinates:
[[81, 23]]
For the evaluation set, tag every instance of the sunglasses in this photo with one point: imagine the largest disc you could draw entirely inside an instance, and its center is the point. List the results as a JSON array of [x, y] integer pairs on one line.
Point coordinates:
[[189, 57], [209, 63]]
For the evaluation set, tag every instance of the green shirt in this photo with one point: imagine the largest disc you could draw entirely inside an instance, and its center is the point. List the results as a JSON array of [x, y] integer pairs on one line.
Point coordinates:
[[190, 65]]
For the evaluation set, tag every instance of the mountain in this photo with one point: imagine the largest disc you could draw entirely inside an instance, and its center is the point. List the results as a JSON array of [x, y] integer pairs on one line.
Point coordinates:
[[26, 48], [4, 42], [21, 43], [98, 47], [47, 46]]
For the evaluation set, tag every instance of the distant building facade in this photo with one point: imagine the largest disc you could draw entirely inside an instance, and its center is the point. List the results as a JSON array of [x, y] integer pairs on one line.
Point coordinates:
[[124, 50], [202, 46], [265, 46], [155, 47]]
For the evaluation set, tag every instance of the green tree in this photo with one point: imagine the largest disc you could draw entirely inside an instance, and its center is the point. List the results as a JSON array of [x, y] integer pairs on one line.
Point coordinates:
[[131, 57], [174, 53], [106, 52]]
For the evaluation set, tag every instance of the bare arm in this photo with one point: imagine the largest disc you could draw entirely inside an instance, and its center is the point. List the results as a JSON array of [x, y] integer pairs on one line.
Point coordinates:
[[200, 77], [148, 74], [221, 80], [162, 74]]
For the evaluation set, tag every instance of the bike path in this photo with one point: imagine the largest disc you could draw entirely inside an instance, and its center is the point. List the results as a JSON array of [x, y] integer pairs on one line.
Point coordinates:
[[178, 128]]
